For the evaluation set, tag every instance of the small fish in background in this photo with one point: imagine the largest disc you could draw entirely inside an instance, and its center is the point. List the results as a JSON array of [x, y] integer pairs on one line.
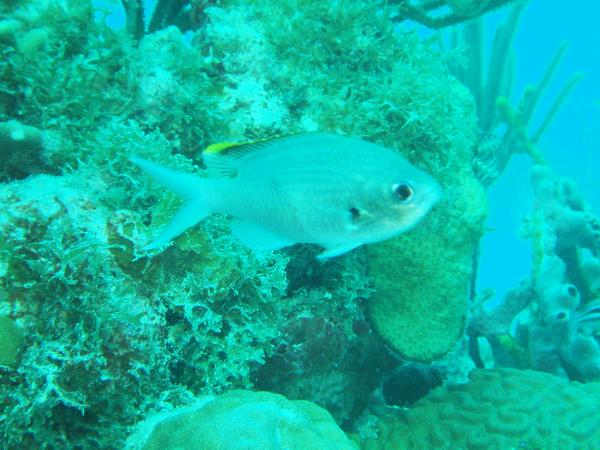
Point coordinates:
[[322, 189]]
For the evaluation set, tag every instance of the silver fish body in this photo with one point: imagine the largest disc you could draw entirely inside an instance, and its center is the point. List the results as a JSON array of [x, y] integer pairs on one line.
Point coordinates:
[[321, 189]]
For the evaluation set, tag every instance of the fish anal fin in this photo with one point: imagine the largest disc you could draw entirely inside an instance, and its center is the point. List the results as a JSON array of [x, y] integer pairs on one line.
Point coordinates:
[[257, 237], [188, 215], [193, 189]]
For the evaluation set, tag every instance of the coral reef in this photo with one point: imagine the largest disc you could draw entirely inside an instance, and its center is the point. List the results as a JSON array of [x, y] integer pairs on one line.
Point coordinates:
[[419, 307], [100, 326], [504, 129], [177, 92], [21, 148], [420, 110], [496, 409], [242, 420], [557, 309], [490, 328], [108, 334], [71, 82], [327, 351], [409, 383], [563, 327]]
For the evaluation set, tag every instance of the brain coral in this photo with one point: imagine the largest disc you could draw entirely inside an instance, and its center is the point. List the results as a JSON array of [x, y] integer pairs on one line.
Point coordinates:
[[498, 409], [242, 420]]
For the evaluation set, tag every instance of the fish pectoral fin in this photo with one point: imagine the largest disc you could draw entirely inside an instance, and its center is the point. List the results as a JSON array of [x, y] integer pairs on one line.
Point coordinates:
[[339, 250], [256, 237]]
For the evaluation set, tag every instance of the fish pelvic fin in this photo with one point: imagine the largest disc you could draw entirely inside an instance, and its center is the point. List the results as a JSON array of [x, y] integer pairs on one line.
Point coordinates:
[[192, 189], [331, 252]]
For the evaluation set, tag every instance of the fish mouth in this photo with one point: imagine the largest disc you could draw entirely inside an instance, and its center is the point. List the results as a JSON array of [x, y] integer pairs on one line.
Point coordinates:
[[430, 196]]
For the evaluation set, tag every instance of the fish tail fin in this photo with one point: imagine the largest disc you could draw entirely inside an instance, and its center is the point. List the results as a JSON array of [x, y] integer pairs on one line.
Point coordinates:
[[191, 188]]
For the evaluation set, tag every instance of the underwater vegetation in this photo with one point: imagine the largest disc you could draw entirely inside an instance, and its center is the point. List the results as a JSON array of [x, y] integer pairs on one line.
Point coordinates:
[[98, 334]]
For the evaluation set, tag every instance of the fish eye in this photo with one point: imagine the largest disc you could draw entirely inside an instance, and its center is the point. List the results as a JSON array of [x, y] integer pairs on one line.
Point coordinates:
[[403, 191]]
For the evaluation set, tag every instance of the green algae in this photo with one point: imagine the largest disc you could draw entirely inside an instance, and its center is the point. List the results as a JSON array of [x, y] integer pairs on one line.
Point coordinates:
[[11, 341]]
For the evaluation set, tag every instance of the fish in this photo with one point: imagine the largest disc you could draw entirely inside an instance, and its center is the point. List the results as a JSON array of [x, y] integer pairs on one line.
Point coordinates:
[[334, 191]]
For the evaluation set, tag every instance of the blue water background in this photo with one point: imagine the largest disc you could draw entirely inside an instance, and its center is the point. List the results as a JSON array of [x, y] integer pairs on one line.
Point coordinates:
[[571, 144]]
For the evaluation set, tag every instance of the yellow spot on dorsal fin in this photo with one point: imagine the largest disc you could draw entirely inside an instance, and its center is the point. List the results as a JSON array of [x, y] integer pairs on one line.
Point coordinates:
[[222, 147], [214, 149]]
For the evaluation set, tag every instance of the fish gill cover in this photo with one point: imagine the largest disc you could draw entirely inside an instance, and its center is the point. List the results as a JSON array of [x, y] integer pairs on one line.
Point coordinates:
[[99, 334]]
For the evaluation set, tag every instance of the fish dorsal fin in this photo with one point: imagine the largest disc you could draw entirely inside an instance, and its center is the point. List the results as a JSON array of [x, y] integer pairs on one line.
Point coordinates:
[[222, 159]]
